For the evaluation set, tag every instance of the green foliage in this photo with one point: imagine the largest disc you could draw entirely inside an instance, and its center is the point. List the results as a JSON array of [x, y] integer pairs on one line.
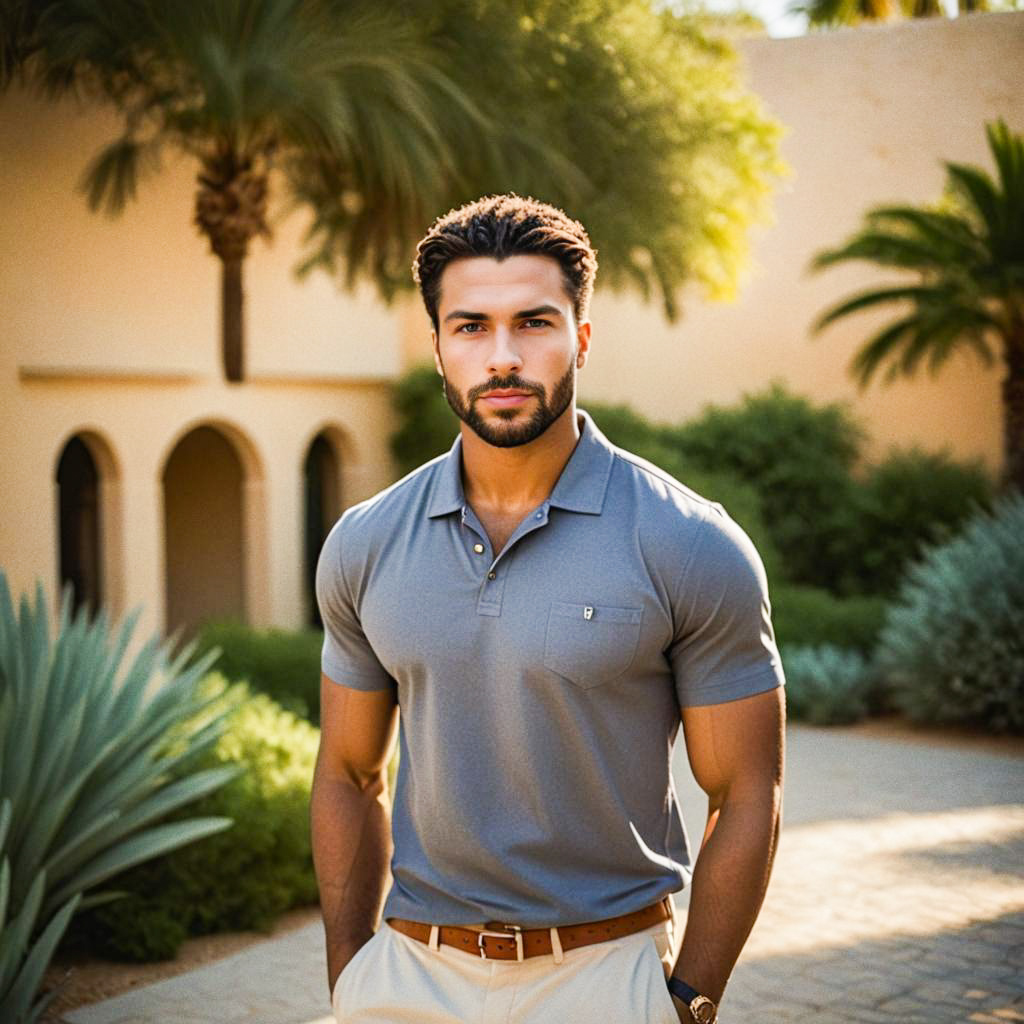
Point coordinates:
[[798, 457], [810, 616], [952, 649], [93, 757], [910, 499], [827, 685], [284, 664], [239, 880], [427, 425]]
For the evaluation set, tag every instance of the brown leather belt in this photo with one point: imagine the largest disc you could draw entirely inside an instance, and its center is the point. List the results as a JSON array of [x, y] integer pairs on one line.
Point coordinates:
[[497, 941]]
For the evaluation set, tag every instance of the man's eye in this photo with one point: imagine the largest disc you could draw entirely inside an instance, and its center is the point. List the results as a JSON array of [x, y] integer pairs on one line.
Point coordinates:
[[470, 328], [536, 322]]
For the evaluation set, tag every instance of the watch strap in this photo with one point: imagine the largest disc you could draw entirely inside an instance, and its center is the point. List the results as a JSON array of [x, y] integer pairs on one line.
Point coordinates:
[[702, 1009], [682, 990]]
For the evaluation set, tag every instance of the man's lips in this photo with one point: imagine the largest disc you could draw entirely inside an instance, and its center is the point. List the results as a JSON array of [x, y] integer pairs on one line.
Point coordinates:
[[504, 397]]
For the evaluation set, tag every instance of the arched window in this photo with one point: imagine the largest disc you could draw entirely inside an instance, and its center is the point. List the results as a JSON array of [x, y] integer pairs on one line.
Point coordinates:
[[322, 490], [80, 530], [203, 530]]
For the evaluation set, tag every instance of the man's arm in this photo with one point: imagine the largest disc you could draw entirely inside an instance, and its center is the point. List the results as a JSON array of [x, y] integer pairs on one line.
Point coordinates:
[[349, 815], [736, 751]]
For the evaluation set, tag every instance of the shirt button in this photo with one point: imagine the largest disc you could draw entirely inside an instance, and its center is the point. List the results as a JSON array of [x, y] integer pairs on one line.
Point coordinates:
[[478, 548], [492, 575], [540, 515]]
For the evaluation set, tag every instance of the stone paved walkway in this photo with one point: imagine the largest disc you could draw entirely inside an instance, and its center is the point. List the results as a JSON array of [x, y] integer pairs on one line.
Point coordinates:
[[897, 897]]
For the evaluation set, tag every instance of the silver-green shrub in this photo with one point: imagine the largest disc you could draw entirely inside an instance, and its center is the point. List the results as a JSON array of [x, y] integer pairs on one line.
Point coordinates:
[[952, 648], [826, 685], [91, 762]]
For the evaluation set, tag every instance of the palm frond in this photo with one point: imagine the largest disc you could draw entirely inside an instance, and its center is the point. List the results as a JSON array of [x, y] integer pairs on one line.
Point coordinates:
[[111, 180], [878, 243], [878, 296]]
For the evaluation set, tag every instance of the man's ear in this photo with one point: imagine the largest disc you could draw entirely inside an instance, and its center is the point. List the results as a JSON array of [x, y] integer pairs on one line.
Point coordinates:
[[582, 344], [434, 344]]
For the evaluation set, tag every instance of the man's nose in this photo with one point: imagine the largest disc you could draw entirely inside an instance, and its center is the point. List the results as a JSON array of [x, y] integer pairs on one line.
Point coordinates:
[[504, 356]]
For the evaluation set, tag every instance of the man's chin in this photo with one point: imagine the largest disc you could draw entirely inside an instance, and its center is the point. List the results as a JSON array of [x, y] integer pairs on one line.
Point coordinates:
[[504, 430]]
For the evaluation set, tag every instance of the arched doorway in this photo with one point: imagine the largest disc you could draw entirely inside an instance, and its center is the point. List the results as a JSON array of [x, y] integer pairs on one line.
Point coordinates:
[[322, 505], [80, 525], [204, 549]]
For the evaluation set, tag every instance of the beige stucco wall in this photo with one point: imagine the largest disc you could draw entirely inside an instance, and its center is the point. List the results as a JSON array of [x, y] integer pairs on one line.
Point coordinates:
[[110, 328], [870, 112]]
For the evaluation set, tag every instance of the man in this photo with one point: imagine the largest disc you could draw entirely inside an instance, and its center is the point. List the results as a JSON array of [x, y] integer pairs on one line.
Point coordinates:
[[542, 610]]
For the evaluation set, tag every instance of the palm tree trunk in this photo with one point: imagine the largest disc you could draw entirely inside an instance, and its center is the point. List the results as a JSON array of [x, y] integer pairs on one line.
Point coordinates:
[[1013, 411], [232, 322]]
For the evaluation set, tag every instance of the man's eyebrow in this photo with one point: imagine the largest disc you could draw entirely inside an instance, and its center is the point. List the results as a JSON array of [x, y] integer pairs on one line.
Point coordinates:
[[528, 314], [523, 314], [461, 314]]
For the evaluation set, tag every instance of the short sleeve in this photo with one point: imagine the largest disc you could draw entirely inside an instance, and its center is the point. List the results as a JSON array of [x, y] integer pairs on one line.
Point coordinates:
[[347, 656], [724, 646]]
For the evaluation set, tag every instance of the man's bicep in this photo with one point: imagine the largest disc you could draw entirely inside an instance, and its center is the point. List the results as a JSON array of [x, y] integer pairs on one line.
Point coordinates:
[[357, 729], [737, 744]]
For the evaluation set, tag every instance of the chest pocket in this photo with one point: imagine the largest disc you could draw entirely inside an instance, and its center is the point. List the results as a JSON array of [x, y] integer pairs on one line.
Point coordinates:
[[591, 644]]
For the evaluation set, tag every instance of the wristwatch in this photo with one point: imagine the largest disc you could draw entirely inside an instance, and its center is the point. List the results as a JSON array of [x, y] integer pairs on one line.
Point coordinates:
[[702, 1010]]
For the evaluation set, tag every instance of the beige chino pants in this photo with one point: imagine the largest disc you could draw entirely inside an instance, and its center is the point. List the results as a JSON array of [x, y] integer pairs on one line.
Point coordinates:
[[397, 980]]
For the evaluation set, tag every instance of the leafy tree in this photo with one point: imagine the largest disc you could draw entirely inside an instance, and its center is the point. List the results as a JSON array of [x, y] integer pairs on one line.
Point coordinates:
[[631, 118], [968, 256]]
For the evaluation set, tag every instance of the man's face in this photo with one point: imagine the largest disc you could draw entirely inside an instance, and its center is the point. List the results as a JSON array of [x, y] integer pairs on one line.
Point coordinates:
[[508, 346]]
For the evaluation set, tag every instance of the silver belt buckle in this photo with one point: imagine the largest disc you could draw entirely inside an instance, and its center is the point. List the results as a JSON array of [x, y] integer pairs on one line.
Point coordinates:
[[515, 932]]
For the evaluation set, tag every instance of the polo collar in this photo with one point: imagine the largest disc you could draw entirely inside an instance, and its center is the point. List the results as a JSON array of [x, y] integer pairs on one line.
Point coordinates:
[[580, 488]]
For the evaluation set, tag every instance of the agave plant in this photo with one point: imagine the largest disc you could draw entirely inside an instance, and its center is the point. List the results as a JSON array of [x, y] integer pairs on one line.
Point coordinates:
[[93, 755]]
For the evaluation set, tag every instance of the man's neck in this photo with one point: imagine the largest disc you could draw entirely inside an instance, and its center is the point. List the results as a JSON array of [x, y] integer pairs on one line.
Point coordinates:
[[517, 479]]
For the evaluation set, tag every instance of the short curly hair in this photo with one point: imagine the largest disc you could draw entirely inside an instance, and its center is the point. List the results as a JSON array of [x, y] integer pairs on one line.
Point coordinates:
[[502, 226]]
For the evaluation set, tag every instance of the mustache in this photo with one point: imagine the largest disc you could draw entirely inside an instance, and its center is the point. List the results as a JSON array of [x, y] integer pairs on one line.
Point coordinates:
[[499, 383]]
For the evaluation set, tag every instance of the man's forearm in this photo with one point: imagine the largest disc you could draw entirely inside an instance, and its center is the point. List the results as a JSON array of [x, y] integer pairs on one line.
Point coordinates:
[[729, 883], [351, 834]]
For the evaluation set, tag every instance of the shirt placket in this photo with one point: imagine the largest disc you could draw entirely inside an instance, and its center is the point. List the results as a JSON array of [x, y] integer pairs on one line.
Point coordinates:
[[494, 570]]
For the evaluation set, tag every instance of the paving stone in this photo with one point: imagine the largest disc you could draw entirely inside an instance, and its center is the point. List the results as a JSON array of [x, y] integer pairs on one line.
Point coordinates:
[[895, 899]]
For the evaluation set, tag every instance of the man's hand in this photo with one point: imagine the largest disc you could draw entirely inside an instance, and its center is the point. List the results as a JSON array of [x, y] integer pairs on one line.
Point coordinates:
[[682, 1009]]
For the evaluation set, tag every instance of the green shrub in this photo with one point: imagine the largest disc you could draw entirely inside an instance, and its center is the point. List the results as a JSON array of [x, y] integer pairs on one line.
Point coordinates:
[[284, 664], [952, 649], [249, 875], [827, 685], [427, 426], [89, 769], [810, 616], [909, 500], [798, 457]]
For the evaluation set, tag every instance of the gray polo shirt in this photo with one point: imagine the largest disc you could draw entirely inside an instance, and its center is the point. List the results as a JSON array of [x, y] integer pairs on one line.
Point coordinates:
[[540, 686]]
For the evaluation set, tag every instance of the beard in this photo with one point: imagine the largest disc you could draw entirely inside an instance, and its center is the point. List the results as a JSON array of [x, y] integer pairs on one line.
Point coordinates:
[[511, 434]]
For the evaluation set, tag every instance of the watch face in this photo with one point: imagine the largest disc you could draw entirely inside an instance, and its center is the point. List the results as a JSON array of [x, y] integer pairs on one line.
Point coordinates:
[[703, 1010]]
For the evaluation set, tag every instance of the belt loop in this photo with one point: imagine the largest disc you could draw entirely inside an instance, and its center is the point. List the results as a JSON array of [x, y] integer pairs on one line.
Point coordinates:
[[435, 938], [556, 945]]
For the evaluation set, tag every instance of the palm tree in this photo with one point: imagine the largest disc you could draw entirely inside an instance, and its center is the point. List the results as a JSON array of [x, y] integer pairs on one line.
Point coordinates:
[[625, 113], [248, 88], [968, 255], [833, 13], [824, 13]]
